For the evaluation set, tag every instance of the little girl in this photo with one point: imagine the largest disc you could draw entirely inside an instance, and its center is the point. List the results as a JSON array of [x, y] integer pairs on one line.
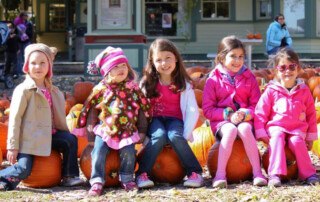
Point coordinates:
[[286, 113], [229, 98], [37, 122], [122, 110], [175, 112]]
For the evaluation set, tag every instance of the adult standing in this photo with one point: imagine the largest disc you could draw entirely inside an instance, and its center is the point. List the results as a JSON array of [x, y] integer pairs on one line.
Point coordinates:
[[277, 35], [23, 19]]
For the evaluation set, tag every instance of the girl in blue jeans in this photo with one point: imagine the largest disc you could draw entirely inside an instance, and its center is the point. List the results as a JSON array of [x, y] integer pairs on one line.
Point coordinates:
[[37, 122], [175, 112], [116, 112]]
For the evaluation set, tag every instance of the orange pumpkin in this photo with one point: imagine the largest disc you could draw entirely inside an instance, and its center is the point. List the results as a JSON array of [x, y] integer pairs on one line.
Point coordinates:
[[112, 167], [250, 36], [4, 104], [238, 168], [316, 92], [257, 36], [72, 119], [82, 143], [191, 70], [292, 167], [70, 102], [77, 107], [202, 83], [313, 82], [3, 138], [203, 141], [198, 93], [46, 171], [201, 119], [81, 90], [167, 168]]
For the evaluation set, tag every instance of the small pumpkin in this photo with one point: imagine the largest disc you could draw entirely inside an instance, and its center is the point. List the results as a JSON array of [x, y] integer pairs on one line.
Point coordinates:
[[203, 141], [46, 171], [167, 168], [257, 36], [3, 138], [238, 168], [112, 166], [316, 92], [292, 167], [4, 104], [250, 36], [81, 90], [313, 82]]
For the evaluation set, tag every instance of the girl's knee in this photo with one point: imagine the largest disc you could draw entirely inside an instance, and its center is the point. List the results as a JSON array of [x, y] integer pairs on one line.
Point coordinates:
[[229, 130]]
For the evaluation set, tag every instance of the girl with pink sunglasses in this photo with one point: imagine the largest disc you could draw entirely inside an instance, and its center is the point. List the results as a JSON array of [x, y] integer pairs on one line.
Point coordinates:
[[285, 114]]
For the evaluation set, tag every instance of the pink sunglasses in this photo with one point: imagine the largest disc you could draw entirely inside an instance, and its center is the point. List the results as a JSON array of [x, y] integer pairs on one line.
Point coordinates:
[[291, 67]]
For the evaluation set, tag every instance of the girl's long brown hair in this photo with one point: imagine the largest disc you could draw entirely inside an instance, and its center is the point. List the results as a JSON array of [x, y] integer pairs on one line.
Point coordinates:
[[227, 44], [151, 77]]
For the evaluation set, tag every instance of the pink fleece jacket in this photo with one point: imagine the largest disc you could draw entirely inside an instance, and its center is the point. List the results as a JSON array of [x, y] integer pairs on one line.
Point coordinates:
[[290, 112], [220, 93]]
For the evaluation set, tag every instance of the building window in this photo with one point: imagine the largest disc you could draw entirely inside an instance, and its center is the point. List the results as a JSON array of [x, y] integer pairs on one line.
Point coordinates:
[[318, 17], [57, 19], [294, 16], [215, 9], [161, 17], [263, 9]]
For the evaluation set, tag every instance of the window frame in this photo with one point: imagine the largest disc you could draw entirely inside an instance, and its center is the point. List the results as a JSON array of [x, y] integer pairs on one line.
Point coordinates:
[[215, 18], [257, 10]]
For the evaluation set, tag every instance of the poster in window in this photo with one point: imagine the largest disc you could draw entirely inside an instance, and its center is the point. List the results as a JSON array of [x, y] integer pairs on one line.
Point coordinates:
[[114, 13], [166, 20]]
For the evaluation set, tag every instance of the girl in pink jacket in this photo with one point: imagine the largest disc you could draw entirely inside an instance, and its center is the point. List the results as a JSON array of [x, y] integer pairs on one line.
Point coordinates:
[[229, 98], [286, 113]]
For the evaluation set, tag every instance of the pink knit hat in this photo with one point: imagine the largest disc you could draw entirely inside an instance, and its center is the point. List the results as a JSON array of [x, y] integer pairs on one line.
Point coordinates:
[[106, 61], [50, 52]]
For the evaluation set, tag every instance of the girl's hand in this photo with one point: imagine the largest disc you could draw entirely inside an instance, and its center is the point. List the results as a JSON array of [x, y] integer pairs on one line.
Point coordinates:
[[12, 156], [309, 145], [142, 137], [237, 117], [265, 140]]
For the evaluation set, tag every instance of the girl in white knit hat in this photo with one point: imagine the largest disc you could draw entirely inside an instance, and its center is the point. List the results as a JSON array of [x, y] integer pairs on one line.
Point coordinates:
[[37, 122]]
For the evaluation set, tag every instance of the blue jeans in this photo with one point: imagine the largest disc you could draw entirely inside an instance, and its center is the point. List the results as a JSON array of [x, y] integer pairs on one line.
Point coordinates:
[[99, 156], [165, 130], [62, 141], [276, 49], [21, 61]]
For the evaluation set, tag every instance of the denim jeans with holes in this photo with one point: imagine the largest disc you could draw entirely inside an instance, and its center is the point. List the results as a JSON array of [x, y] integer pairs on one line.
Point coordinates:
[[165, 130], [99, 157], [62, 141]]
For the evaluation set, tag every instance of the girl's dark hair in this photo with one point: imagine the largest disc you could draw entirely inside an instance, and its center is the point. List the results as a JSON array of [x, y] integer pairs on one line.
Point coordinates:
[[227, 44], [151, 77], [23, 13], [276, 18], [286, 53]]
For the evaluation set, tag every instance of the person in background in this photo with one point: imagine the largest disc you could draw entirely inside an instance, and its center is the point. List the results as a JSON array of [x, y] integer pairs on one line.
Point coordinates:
[[277, 35], [11, 50]]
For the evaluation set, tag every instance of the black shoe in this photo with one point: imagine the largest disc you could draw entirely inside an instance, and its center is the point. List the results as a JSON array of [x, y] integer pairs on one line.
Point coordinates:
[[15, 76]]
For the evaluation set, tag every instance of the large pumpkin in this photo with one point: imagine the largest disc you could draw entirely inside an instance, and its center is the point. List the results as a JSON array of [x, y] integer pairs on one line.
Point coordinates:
[[203, 141], [198, 94], [316, 93], [46, 171], [167, 168], [112, 166], [292, 167], [313, 82], [191, 70], [238, 168], [3, 138], [81, 90]]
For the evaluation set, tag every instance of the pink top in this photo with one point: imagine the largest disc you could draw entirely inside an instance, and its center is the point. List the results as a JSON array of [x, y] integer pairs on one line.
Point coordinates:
[[46, 93], [167, 104], [292, 112]]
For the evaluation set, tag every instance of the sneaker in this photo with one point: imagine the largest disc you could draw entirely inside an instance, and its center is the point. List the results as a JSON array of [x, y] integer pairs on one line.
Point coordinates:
[[96, 189], [260, 180], [313, 179], [129, 186], [195, 180], [71, 181], [219, 182], [274, 180], [143, 181]]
